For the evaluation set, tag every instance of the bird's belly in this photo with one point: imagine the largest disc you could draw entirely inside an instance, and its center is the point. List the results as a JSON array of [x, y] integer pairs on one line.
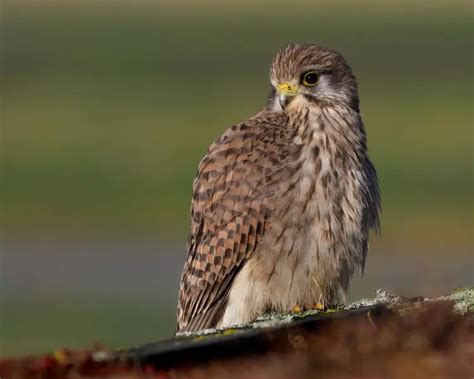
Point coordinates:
[[312, 255], [306, 259], [311, 249]]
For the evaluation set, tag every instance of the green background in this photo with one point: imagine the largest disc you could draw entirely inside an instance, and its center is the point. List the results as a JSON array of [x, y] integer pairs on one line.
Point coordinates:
[[108, 106]]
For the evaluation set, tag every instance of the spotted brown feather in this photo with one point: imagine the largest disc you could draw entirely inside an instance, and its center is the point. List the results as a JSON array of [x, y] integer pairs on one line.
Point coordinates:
[[231, 202]]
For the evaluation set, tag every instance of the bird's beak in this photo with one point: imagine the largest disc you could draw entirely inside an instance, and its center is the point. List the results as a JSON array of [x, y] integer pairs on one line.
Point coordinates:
[[285, 93]]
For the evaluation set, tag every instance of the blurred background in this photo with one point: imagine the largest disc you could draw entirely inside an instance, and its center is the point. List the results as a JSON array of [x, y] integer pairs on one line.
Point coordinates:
[[108, 106]]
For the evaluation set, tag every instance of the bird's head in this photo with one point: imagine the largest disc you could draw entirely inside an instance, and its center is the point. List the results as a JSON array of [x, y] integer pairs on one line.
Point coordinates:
[[311, 74]]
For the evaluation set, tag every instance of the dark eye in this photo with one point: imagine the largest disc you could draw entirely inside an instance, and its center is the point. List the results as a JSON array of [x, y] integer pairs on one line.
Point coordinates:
[[310, 78]]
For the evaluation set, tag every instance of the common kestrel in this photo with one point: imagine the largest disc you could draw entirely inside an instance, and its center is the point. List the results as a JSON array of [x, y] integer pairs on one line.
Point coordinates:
[[282, 203]]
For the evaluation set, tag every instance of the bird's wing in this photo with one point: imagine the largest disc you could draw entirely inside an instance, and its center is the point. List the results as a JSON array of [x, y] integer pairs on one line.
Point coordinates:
[[228, 211], [371, 197], [372, 205]]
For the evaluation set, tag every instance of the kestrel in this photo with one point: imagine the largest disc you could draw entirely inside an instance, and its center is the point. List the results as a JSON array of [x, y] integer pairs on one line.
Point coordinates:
[[282, 203]]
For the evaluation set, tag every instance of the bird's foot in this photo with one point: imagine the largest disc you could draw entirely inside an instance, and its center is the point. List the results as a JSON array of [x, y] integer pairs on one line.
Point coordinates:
[[296, 309], [301, 308], [319, 307]]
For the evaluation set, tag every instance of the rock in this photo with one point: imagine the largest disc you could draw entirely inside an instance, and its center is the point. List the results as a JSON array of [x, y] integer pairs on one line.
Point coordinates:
[[386, 336]]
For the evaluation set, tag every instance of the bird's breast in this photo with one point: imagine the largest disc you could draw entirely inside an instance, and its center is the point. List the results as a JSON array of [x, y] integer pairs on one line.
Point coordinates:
[[308, 253]]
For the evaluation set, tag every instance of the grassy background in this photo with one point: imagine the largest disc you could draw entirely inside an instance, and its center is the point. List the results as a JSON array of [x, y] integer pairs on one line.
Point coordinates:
[[107, 108]]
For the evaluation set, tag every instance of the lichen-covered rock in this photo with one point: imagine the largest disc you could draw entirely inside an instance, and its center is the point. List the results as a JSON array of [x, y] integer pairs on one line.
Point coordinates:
[[386, 336], [382, 297], [463, 300], [463, 303]]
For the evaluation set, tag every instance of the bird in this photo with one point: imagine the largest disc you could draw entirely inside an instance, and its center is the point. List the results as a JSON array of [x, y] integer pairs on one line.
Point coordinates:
[[282, 203]]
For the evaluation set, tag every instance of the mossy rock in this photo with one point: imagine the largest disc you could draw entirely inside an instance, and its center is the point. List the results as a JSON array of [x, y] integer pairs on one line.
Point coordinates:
[[463, 300]]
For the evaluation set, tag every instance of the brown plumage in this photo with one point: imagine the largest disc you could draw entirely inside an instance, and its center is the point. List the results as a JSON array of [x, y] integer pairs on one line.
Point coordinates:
[[282, 203]]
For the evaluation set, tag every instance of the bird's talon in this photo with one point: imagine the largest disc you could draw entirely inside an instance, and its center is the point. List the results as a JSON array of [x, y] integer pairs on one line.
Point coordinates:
[[319, 307], [296, 309]]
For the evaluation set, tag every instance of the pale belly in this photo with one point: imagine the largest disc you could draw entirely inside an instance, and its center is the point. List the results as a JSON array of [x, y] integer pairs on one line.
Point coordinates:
[[309, 254]]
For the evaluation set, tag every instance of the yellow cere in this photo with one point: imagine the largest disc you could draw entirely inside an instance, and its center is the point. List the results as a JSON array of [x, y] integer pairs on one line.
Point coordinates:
[[287, 89]]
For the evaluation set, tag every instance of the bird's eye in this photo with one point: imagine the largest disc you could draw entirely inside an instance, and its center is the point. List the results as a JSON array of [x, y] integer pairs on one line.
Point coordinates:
[[310, 78]]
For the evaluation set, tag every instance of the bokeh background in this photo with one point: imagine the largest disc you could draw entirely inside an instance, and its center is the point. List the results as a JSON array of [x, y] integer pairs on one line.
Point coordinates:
[[107, 107]]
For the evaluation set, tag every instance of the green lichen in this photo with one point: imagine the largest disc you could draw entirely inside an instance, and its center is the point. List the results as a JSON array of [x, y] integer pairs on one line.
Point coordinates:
[[202, 335], [382, 297], [463, 300], [270, 319], [273, 318]]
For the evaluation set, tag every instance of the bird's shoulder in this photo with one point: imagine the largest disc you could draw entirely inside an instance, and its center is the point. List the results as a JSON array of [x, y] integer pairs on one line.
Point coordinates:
[[244, 146], [256, 130], [231, 173]]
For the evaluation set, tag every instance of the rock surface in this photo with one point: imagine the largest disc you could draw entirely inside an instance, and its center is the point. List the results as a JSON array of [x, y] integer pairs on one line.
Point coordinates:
[[386, 336]]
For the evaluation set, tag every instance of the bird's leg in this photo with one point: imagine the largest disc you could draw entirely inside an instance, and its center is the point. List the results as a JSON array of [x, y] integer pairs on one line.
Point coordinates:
[[321, 304]]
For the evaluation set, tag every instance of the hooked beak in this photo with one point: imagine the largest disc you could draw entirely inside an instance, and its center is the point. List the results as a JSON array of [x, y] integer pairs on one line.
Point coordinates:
[[285, 93]]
